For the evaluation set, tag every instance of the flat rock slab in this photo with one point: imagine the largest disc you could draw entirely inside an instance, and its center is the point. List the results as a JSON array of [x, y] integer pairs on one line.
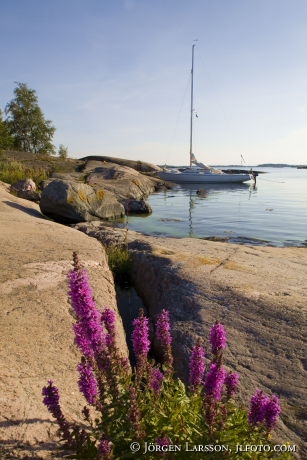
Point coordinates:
[[37, 341]]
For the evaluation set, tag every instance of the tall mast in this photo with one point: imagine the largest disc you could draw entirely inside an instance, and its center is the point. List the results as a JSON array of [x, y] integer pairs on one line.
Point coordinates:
[[192, 108]]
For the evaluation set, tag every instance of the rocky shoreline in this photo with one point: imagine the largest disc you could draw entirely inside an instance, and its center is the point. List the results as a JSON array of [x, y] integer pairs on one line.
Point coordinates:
[[259, 293]]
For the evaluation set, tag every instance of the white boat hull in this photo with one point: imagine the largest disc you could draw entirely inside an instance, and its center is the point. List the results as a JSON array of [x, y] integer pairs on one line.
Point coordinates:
[[203, 178]]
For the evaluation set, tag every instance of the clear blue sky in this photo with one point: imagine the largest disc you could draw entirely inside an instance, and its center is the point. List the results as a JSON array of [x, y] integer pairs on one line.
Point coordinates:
[[113, 75]]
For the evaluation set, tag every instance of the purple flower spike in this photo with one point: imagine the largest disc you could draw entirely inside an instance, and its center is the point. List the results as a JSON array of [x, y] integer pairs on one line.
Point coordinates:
[[197, 366], [231, 383], [214, 382], [52, 402], [163, 334], [52, 399], [218, 338], [105, 450], [87, 382], [156, 380], [134, 412], [89, 333], [108, 318], [164, 441], [258, 405], [140, 337], [272, 412], [164, 328], [264, 410]]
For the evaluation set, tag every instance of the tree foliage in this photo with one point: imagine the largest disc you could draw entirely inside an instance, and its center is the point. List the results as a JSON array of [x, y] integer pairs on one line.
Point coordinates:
[[27, 124], [6, 140], [63, 151]]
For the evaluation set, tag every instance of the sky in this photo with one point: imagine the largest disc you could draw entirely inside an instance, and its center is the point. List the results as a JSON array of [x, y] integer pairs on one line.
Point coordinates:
[[114, 76]]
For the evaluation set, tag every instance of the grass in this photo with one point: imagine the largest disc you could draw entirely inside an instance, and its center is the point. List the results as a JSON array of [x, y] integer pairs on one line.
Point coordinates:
[[120, 263], [13, 171], [15, 166]]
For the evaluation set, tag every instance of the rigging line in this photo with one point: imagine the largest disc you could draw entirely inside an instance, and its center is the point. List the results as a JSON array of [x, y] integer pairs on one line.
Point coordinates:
[[178, 114]]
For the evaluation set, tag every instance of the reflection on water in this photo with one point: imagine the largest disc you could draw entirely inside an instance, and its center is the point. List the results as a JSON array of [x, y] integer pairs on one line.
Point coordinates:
[[194, 193], [273, 211]]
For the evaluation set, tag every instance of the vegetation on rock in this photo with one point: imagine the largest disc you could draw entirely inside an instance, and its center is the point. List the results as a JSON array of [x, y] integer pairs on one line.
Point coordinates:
[[120, 263], [150, 411], [13, 171]]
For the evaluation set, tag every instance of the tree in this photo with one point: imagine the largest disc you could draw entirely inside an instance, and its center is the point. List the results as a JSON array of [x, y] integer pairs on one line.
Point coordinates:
[[6, 140], [27, 124], [63, 151]]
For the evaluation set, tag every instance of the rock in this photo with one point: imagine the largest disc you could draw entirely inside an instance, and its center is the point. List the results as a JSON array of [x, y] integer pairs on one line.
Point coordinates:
[[108, 236], [25, 189], [124, 182], [72, 202], [137, 206], [36, 322], [129, 186], [26, 184], [244, 288]]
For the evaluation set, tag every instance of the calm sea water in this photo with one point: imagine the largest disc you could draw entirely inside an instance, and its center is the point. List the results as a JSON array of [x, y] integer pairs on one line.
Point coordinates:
[[274, 212]]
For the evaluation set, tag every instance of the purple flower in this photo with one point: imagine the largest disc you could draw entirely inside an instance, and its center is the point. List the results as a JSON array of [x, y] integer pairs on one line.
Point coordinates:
[[231, 383], [87, 382], [52, 399], [163, 328], [272, 411], [134, 412], [218, 338], [264, 410], [163, 334], [108, 318], [140, 337], [214, 382], [89, 333], [164, 441], [105, 450], [52, 402], [257, 409], [197, 366], [156, 380]]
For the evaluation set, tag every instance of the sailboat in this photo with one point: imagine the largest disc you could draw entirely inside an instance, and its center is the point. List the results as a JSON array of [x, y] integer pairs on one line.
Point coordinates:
[[199, 172]]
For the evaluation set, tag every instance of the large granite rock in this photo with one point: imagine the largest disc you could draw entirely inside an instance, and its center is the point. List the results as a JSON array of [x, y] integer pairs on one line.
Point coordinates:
[[258, 293], [128, 185], [72, 202], [137, 206], [36, 322], [124, 182]]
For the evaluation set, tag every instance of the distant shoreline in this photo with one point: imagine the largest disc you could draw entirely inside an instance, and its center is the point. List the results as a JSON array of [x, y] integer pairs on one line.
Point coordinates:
[[264, 165]]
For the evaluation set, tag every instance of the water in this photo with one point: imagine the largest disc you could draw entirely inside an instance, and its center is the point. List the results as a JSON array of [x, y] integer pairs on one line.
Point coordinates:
[[274, 212]]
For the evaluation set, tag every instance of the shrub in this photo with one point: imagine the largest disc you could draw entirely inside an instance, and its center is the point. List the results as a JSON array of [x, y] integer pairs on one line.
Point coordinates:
[[147, 408]]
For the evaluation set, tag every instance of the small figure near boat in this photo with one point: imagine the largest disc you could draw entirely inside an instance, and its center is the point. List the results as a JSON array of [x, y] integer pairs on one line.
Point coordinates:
[[254, 174]]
